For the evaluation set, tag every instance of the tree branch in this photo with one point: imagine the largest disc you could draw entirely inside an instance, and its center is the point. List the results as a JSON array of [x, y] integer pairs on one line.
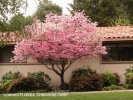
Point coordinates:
[[52, 64], [43, 62], [58, 67], [71, 62]]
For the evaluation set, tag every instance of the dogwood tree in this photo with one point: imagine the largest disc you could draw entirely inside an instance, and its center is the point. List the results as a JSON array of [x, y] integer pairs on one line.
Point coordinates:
[[61, 40]]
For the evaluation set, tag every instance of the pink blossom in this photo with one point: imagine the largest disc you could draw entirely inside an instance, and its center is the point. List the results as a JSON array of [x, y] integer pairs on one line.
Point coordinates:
[[64, 36]]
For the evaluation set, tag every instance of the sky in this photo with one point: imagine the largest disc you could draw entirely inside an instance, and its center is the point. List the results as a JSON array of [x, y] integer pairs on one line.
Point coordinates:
[[32, 6]]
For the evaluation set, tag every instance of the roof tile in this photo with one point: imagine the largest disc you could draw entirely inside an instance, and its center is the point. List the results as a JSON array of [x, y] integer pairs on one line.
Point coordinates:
[[115, 32], [106, 32]]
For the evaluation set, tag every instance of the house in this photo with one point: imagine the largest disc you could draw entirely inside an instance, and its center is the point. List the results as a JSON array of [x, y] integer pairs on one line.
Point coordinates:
[[119, 42]]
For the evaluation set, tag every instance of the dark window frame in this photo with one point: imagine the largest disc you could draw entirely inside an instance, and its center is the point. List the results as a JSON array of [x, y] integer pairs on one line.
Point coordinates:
[[9, 63], [117, 44]]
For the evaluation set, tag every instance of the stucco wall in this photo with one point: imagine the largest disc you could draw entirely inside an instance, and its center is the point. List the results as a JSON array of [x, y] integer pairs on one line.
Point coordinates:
[[94, 63]]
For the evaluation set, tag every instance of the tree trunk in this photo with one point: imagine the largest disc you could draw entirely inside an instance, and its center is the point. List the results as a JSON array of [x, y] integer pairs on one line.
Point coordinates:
[[63, 86], [62, 81]]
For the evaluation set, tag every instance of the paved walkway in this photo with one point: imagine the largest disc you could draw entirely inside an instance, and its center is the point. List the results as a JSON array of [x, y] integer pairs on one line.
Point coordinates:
[[100, 92]]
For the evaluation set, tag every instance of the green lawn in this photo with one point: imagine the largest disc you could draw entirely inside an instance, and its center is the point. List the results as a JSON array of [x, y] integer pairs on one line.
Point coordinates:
[[94, 96]]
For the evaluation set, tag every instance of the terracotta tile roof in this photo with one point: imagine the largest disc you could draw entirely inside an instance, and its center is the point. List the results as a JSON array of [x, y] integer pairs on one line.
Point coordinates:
[[10, 37], [115, 32], [107, 32]]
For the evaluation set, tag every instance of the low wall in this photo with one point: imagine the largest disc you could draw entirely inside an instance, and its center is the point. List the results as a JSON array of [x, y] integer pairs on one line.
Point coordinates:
[[94, 63]]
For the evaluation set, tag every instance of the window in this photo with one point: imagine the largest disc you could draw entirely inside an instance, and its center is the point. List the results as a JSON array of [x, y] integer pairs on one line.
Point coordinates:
[[118, 52], [6, 53]]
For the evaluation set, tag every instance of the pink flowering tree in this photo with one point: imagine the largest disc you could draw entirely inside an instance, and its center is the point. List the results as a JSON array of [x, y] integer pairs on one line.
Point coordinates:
[[61, 40]]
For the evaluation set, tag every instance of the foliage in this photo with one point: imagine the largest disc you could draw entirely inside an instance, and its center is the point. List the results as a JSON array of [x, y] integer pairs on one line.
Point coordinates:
[[110, 79], [10, 8], [128, 86], [129, 70], [120, 21], [117, 78], [7, 79], [113, 87], [16, 23], [86, 83], [129, 4], [10, 76], [82, 71], [19, 21], [5, 85], [105, 11], [129, 79], [21, 84], [58, 39], [46, 7], [42, 80]]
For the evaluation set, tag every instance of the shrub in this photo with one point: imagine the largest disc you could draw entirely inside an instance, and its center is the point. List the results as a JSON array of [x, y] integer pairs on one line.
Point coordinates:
[[42, 80], [117, 78], [129, 80], [86, 83], [113, 87], [82, 71], [128, 86], [10, 76], [129, 77], [21, 84], [129, 70], [7, 79], [110, 79], [5, 85]]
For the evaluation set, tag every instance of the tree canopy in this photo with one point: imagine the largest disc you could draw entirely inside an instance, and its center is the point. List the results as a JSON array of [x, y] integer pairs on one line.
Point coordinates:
[[46, 7], [8, 9], [106, 11], [16, 24]]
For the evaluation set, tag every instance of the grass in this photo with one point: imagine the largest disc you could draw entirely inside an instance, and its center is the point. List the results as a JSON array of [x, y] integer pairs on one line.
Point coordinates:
[[92, 96]]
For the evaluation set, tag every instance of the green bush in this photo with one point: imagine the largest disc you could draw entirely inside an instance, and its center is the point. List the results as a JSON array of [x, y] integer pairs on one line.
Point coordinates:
[[21, 84], [129, 80], [128, 86], [86, 83], [117, 78], [10, 76], [129, 70], [113, 87], [42, 80], [82, 71], [7, 79], [110, 79], [129, 77], [5, 85]]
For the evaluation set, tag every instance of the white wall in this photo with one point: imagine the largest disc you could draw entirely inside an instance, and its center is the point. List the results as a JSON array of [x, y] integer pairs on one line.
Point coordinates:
[[94, 63]]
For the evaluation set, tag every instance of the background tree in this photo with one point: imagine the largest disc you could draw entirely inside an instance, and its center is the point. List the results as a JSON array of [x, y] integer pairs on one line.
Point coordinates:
[[9, 8], [59, 39], [46, 7], [129, 5], [104, 11], [19, 21]]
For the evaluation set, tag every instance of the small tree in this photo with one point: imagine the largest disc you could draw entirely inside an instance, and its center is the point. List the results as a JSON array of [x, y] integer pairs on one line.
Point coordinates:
[[60, 38]]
